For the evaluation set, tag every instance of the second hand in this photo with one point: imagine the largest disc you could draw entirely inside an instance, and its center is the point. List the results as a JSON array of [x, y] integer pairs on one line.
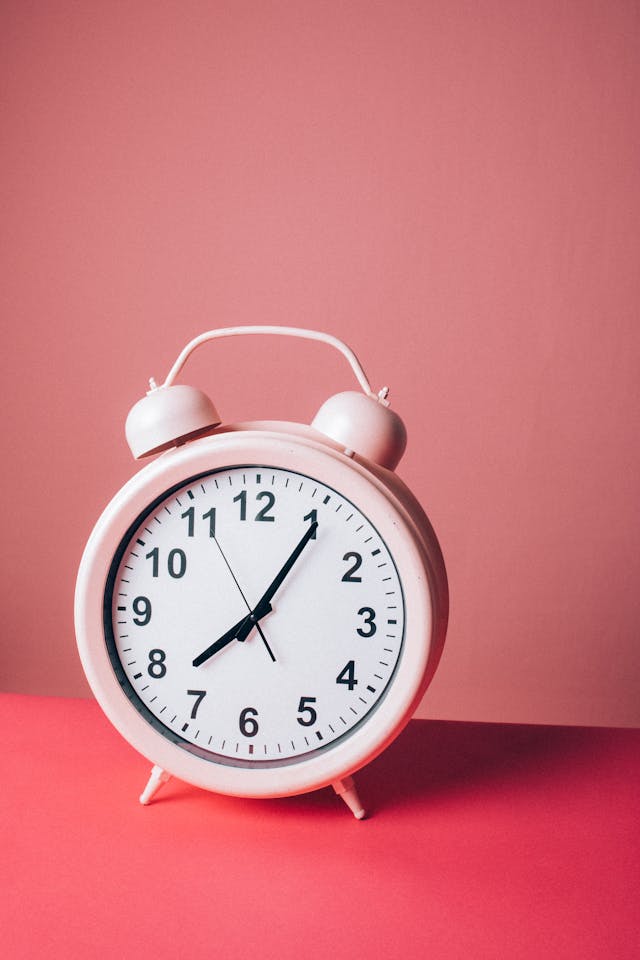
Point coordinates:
[[235, 580]]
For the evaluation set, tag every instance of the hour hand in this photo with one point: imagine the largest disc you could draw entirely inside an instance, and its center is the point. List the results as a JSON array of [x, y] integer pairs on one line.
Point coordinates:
[[239, 631]]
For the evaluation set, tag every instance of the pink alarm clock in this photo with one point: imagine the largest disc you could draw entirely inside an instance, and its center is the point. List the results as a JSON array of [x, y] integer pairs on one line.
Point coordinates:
[[260, 609]]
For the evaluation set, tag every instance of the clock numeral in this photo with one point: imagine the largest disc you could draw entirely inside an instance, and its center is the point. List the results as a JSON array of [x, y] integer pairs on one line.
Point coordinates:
[[310, 714], [176, 562], [190, 516], [369, 615], [270, 501], [157, 667], [242, 500], [262, 514], [312, 517], [199, 695], [349, 576], [248, 724], [154, 557], [142, 609], [348, 675]]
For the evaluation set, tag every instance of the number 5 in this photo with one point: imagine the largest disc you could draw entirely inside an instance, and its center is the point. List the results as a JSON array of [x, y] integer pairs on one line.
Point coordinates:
[[303, 707]]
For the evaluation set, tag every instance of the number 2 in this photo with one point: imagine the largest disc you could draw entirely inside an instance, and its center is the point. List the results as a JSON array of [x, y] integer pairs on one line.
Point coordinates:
[[349, 576]]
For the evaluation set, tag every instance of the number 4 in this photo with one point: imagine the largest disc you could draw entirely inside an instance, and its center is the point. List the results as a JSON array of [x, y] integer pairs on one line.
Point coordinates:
[[348, 675]]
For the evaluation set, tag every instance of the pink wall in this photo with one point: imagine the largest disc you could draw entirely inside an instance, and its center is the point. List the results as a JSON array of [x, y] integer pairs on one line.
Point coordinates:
[[451, 187]]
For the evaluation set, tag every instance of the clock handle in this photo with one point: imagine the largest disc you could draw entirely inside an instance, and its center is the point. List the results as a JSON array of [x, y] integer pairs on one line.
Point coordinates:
[[360, 422], [299, 332]]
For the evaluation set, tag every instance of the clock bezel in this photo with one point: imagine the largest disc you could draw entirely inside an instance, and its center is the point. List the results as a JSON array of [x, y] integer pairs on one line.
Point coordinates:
[[299, 451]]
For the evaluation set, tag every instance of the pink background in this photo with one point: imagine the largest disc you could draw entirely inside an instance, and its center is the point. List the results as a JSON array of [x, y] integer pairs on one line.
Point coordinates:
[[450, 187]]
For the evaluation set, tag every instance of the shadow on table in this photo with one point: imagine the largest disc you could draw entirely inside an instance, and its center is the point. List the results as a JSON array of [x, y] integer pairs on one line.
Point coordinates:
[[434, 758]]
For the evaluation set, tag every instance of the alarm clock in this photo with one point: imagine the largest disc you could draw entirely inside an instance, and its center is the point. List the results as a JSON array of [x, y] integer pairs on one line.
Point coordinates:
[[260, 609]]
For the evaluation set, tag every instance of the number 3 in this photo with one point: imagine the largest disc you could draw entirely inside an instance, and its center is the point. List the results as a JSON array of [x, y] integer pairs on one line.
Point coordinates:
[[369, 615]]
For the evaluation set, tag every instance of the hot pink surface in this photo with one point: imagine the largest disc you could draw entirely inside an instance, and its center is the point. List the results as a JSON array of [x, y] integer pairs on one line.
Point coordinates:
[[450, 187], [484, 841]]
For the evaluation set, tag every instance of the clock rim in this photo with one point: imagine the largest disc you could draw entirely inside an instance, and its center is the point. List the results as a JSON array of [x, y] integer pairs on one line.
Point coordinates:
[[418, 570]]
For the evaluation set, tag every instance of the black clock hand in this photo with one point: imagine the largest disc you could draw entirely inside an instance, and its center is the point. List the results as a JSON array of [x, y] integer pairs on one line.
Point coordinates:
[[276, 583], [235, 580], [240, 631]]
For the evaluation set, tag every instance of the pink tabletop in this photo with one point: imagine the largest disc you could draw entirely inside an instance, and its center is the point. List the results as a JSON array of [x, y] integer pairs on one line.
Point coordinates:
[[484, 841]]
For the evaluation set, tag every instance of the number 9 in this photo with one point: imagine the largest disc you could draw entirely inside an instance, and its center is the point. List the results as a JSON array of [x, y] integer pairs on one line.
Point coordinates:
[[142, 607]]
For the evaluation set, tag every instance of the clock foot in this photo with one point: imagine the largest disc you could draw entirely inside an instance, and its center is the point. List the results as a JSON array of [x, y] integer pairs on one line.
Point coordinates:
[[157, 778], [347, 790]]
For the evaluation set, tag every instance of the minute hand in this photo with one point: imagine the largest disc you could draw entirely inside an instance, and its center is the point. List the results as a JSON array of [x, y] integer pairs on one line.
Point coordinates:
[[276, 583], [243, 628]]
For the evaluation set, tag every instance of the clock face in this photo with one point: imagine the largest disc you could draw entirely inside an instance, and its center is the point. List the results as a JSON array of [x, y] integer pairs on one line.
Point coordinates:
[[254, 616]]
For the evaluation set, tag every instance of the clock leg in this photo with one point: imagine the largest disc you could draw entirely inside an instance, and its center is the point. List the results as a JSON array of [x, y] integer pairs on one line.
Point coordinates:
[[157, 778], [347, 790]]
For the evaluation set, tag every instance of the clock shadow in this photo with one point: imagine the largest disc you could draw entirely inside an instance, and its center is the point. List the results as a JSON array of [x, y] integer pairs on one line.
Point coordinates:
[[435, 761], [432, 762]]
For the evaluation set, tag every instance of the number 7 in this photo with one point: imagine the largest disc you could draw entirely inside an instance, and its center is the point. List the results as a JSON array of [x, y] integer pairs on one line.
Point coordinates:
[[199, 695]]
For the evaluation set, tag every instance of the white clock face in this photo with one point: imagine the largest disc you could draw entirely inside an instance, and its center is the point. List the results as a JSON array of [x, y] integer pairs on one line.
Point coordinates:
[[254, 616]]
